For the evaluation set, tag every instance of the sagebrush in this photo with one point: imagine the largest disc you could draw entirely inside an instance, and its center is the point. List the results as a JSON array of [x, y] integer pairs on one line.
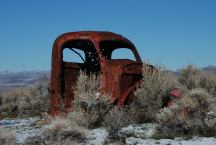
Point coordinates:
[[117, 118], [189, 115], [88, 102], [192, 77], [7, 137], [26, 101], [63, 131], [156, 84]]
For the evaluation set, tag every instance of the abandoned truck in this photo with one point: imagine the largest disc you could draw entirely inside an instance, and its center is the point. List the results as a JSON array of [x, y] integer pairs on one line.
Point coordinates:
[[96, 50]]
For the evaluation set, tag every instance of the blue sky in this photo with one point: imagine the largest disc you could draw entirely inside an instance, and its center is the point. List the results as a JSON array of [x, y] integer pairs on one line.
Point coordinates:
[[172, 33]]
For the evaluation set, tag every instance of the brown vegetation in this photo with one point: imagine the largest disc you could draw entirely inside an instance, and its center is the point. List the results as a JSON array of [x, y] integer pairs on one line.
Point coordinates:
[[117, 118], [190, 114], [91, 110], [7, 137], [88, 102], [26, 101], [156, 84], [63, 131], [191, 77]]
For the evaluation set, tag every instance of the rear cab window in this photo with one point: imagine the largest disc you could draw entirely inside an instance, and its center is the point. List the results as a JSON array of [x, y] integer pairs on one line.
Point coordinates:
[[115, 50]]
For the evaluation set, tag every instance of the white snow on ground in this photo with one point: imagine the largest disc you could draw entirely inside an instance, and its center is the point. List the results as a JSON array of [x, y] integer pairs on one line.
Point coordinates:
[[134, 134], [141, 136], [24, 128], [17, 122], [195, 141], [97, 136]]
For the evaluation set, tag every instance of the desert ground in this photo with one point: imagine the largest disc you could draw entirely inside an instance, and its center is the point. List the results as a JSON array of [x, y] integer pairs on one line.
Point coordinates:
[[190, 120]]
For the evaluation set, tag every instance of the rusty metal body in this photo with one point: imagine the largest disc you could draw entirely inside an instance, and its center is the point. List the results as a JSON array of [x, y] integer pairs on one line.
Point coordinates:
[[118, 77]]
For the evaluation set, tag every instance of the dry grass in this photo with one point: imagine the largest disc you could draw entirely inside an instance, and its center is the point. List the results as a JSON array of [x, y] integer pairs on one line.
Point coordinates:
[[156, 84], [7, 137], [63, 131], [1, 105], [117, 118], [26, 101], [86, 86], [93, 111], [0, 98], [191, 77], [89, 110], [208, 82], [88, 103], [188, 115]]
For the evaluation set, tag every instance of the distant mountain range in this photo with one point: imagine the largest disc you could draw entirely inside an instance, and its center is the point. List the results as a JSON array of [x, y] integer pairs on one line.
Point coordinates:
[[209, 68], [12, 80]]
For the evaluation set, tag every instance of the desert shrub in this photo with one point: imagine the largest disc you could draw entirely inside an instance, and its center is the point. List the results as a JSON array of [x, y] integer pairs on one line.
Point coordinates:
[[9, 105], [86, 86], [63, 131], [26, 101], [0, 98], [7, 137], [156, 84], [117, 118], [208, 82], [189, 115], [88, 102], [91, 109], [0, 105], [190, 77]]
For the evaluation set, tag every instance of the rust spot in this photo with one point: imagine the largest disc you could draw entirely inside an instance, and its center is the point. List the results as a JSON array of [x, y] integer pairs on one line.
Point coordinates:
[[118, 77]]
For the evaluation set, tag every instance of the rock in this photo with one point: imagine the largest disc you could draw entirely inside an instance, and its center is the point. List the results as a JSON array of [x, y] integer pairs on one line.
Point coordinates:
[[138, 131]]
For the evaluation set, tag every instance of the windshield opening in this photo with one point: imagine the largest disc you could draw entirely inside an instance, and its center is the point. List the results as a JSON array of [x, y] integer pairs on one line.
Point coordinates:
[[82, 52]]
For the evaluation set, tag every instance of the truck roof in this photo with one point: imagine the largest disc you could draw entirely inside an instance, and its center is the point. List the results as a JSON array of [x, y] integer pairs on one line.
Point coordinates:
[[93, 35]]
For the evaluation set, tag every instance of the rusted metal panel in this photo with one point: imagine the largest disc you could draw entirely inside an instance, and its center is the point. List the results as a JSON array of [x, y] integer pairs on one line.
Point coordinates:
[[118, 77]]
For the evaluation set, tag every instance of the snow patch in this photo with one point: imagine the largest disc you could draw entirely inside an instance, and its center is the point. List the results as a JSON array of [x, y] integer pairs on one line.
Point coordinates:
[[194, 141], [97, 136], [134, 134], [24, 128]]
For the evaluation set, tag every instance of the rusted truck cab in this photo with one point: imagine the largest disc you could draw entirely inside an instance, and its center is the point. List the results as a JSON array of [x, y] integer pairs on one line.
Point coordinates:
[[96, 50]]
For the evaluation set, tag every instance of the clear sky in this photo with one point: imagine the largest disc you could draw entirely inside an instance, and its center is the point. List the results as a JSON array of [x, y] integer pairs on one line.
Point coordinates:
[[172, 33]]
